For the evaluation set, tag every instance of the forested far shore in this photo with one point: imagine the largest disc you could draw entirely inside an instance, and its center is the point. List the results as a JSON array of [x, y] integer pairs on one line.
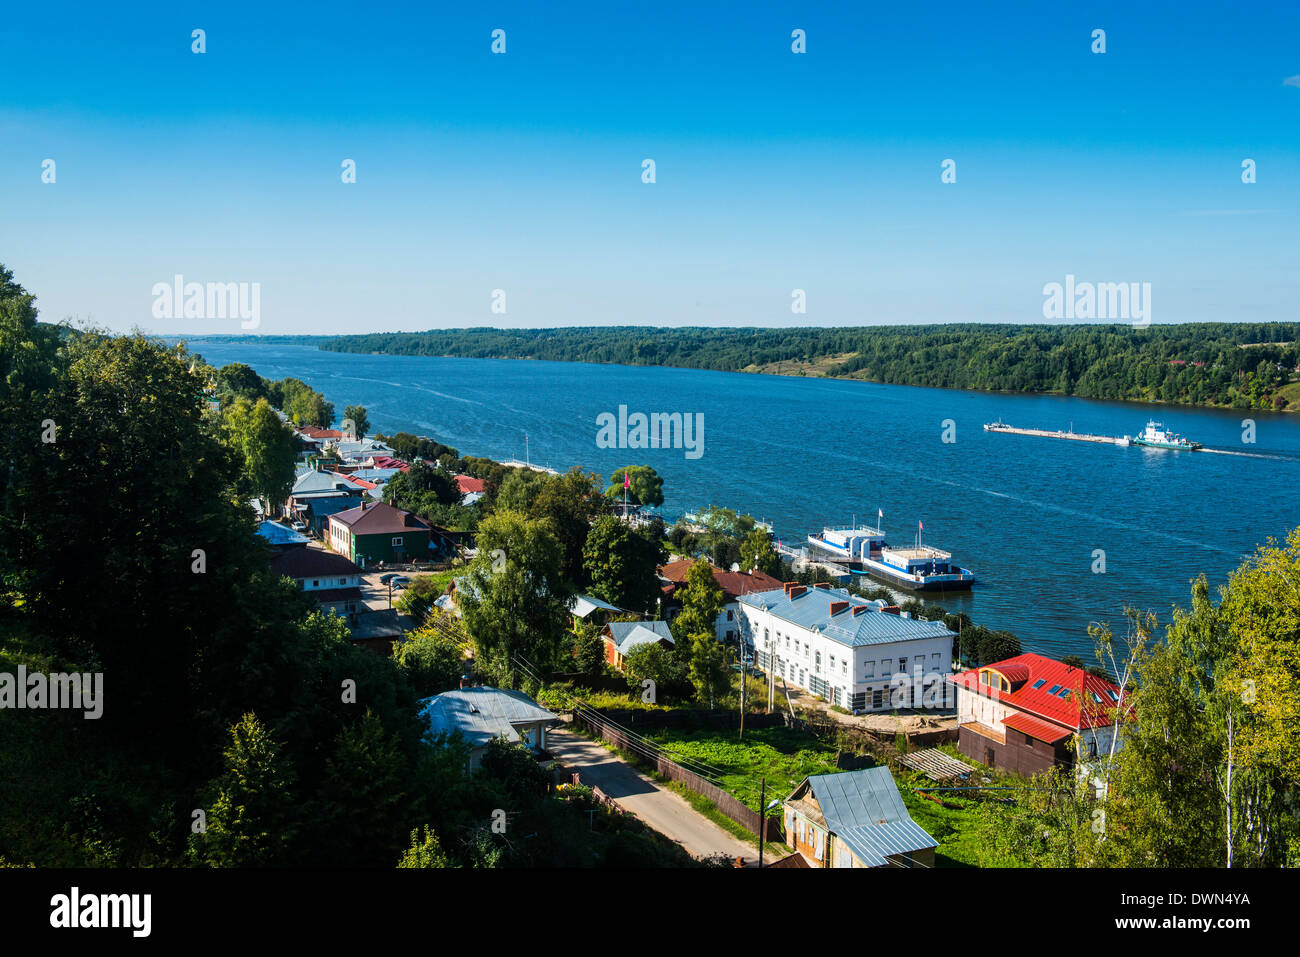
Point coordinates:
[[1234, 365]]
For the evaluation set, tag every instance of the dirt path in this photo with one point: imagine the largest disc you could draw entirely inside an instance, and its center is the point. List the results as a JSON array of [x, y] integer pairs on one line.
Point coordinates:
[[666, 812]]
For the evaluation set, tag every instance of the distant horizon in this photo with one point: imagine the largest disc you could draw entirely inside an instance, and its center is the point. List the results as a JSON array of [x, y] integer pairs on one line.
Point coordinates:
[[1046, 324]]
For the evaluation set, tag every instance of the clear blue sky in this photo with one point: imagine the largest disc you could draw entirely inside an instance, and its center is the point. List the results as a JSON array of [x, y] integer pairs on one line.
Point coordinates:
[[775, 171]]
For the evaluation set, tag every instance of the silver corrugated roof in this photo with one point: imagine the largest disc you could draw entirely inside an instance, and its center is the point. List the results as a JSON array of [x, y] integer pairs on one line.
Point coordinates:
[[865, 810], [812, 610], [628, 634], [584, 605], [482, 714]]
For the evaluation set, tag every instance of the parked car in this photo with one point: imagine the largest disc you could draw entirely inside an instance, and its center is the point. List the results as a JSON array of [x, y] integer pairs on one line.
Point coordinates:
[[400, 582]]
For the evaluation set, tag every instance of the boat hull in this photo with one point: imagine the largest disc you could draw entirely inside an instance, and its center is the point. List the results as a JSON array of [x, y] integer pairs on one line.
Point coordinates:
[[934, 584], [1169, 447]]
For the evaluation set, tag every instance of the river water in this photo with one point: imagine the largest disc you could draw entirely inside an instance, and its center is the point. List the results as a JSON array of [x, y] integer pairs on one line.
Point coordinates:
[[1027, 515]]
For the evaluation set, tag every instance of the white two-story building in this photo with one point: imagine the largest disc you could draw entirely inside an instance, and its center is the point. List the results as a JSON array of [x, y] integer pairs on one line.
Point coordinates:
[[848, 649]]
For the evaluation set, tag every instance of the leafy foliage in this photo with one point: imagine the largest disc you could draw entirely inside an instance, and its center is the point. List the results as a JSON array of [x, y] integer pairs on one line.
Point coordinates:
[[1243, 365]]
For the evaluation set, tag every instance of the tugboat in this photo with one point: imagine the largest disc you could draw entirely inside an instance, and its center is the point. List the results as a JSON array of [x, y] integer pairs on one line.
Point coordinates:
[[1156, 436]]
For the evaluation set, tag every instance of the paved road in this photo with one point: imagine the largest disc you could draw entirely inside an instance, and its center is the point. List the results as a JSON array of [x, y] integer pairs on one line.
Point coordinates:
[[666, 812]]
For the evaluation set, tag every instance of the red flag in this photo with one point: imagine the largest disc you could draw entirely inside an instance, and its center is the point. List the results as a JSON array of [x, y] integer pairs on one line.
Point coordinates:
[[627, 481], [922, 525]]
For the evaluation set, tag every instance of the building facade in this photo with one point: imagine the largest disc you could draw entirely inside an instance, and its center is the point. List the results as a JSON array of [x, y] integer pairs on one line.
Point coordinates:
[[852, 652], [377, 532], [733, 585], [1029, 713]]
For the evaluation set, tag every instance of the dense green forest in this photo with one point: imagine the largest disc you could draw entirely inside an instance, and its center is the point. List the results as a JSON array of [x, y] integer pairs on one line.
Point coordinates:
[[1240, 365], [234, 724]]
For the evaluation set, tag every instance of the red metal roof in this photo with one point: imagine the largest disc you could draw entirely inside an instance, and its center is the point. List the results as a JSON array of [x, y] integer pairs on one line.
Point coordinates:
[[733, 584], [1036, 727], [1098, 707], [467, 484]]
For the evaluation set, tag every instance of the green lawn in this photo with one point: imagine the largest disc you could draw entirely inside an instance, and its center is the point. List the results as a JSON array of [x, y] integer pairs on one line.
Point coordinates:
[[783, 755], [953, 828]]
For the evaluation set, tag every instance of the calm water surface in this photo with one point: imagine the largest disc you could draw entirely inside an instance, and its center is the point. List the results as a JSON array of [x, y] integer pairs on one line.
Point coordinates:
[[1025, 514]]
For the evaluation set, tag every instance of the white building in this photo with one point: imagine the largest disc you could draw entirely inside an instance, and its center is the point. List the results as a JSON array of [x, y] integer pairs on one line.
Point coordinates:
[[846, 648]]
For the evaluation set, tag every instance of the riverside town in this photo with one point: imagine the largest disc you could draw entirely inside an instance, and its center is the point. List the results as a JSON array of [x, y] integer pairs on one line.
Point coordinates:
[[361, 540]]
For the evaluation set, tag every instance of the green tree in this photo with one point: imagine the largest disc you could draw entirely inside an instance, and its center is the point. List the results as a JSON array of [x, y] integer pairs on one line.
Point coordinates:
[[430, 663], [250, 821], [514, 598], [267, 449], [236, 380], [424, 851], [360, 421], [997, 646], [667, 670], [644, 485], [569, 501], [702, 602], [589, 650], [708, 667], [757, 551], [621, 565], [358, 817]]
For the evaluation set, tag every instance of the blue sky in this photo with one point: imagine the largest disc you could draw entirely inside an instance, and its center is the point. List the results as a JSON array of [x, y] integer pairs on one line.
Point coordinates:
[[775, 171]]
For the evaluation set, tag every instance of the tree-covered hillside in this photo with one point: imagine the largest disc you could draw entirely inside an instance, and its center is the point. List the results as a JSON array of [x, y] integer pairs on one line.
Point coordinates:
[[1242, 365]]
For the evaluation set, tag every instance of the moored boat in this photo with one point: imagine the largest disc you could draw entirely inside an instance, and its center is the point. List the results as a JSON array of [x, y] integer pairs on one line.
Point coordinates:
[[864, 551]]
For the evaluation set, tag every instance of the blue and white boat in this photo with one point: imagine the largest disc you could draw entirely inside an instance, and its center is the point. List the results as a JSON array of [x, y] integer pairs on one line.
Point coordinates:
[[864, 550]]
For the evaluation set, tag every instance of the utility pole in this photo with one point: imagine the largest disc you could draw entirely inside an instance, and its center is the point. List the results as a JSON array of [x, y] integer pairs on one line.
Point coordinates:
[[742, 688]]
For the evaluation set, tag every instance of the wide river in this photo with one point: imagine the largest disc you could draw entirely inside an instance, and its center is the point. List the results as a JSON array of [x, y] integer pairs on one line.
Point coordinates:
[[1026, 514]]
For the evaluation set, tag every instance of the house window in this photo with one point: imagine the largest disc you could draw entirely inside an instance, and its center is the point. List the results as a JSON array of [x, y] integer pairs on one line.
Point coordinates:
[[397, 540], [343, 581], [1092, 749], [902, 664], [844, 668], [315, 583], [870, 670], [934, 660], [728, 616]]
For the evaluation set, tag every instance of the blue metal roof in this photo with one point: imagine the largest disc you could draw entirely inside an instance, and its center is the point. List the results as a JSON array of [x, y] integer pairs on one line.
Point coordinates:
[[278, 534], [864, 809], [812, 610]]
